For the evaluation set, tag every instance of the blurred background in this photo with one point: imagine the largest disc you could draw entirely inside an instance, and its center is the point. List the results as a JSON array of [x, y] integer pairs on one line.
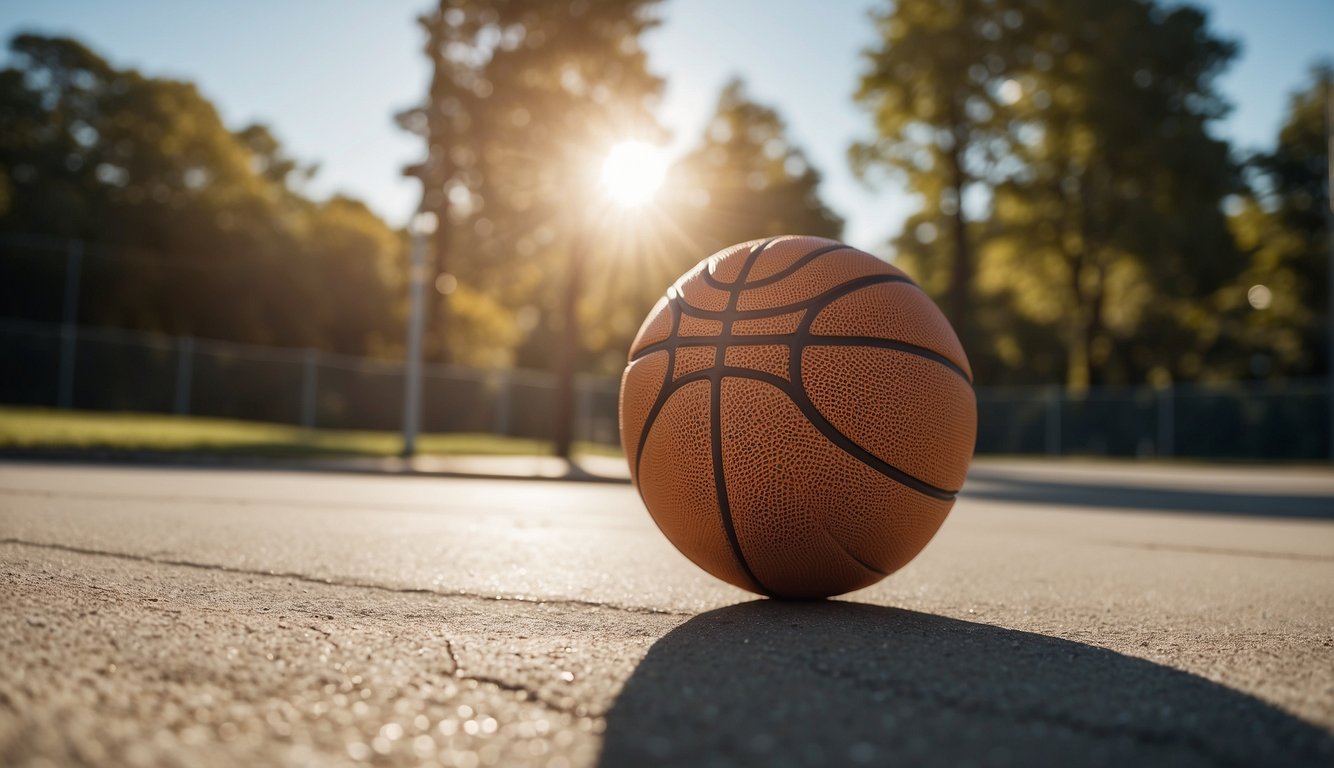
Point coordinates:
[[219, 222]]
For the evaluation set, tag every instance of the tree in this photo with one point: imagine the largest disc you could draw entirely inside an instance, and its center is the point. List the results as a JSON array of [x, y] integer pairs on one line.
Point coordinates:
[[1115, 207], [525, 99], [525, 96], [357, 262], [460, 37], [1019, 326], [1083, 126], [931, 89], [191, 228], [745, 180], [1279, 306]]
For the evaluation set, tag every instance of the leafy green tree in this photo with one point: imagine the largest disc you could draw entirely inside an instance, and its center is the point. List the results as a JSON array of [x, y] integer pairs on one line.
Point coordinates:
[[1018, 327], [1113, 221], [743, 179], [746, 179], [931, 87], [1276, 312], [192, 228], [270, 160], [1085, 127], [461, 37], [525, 98], [357, 263], [562, 102]]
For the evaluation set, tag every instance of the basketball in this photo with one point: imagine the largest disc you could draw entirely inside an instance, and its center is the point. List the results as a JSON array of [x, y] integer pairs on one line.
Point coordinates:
[[798, 417]]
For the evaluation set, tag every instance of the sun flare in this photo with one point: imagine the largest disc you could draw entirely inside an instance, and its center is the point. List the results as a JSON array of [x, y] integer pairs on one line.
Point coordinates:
[[632, 172]]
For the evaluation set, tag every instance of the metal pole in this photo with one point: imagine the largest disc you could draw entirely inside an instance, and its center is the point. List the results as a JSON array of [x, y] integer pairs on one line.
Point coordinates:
[[309, 381], [1329, 227], [69, 332], [412, 394], [185, 356]]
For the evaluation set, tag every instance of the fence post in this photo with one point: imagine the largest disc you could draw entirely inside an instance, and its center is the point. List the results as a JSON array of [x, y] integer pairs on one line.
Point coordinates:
[[309, 372], [500, 423], [1053, 420], [1327, 85], [185, 363], [69, 332], [583, 410], [1166, 422]]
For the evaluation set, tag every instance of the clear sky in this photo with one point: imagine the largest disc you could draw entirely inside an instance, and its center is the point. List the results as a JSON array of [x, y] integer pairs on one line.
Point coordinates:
[[328, 75]]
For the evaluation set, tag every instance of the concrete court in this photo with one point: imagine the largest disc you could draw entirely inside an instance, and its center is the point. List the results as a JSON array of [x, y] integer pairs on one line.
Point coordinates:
[[1067, 614]]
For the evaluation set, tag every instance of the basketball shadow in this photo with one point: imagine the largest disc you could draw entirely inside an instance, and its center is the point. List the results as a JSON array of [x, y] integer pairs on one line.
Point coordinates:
[[827, 683]]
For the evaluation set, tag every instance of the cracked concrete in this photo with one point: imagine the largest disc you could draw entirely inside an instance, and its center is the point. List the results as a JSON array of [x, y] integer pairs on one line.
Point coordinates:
[[165, 617], [190, 666]]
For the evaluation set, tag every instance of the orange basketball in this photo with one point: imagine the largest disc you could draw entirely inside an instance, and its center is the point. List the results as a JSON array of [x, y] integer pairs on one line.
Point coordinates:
[[798, 417]]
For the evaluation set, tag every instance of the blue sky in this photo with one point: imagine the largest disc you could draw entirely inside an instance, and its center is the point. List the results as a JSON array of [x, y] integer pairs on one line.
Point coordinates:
[[327, 75]]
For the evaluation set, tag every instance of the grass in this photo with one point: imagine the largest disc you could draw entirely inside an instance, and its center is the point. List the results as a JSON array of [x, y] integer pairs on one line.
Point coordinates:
[[40, 429]]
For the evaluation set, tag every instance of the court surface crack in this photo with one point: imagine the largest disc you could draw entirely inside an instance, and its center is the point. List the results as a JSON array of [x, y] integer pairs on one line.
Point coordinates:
[[525, 693], [219, 568]]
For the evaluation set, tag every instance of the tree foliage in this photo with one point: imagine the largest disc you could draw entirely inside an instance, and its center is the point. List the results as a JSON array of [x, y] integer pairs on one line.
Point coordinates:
[[191, 228], [1275, 314], [1080, 219], [1117, 203], [746, 179], [525, 98], [930, 86], [1089, 122]]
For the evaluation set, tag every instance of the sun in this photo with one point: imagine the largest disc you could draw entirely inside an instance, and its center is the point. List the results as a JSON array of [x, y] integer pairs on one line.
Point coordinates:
[[632, 172]]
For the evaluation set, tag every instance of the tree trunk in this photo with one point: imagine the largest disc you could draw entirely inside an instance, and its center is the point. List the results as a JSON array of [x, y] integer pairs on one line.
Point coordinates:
[[1094, 327], [1082, 371], [1089, 294], [439, 310], [1077, 363], [961, 271], [569, 347], [435, 173]]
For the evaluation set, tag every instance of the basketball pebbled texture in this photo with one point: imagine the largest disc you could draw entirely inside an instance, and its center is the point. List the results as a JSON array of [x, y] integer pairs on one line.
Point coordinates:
[[798, 417]]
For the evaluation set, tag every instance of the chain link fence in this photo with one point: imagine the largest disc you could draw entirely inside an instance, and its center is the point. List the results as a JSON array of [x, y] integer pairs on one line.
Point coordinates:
[[47, 364], [116, 370], [1287, 420], [48, 360]]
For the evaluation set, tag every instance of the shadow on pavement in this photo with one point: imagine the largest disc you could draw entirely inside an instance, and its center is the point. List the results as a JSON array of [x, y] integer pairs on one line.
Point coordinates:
[[998, 486], [777, 684]]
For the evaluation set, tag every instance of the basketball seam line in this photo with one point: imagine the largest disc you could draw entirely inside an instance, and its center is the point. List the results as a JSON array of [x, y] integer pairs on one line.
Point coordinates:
[[794, 389], [664, 392], [803, 402], [818, 421], [787, 309], [796, 265], [716, 425], [811, 307], [787, 271], [800, 342]]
